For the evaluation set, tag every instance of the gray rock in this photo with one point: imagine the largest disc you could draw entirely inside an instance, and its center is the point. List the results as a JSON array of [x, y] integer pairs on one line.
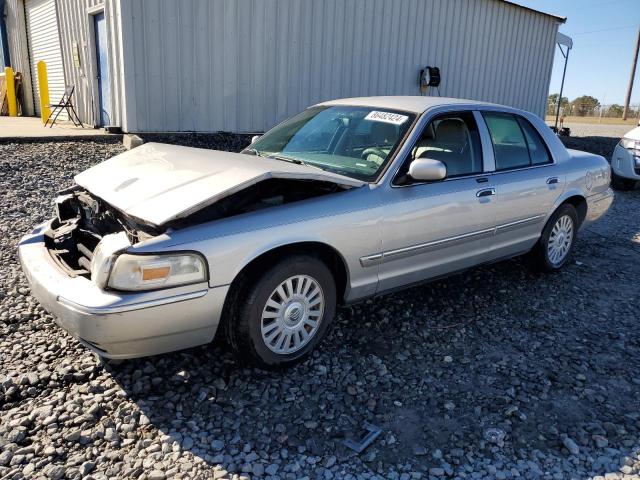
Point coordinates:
[[495, 436], [5, 457], [156, 475], [28, 470], [187, 443], [419, 450], [86, 467], [111, 435], [258, 469], [217, 445], [571, 446], [72, 436], [55, 472], [16, 435]]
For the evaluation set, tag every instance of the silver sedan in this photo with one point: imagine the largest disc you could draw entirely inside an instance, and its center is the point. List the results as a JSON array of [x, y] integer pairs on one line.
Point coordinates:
[[162, 247]]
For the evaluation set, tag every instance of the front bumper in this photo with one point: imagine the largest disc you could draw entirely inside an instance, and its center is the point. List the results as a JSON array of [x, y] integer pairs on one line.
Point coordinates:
[[119, 324], [623, 164]]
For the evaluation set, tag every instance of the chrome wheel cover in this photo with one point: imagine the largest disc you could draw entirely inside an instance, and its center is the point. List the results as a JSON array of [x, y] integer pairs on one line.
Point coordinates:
[[292, 314], [560, 240]]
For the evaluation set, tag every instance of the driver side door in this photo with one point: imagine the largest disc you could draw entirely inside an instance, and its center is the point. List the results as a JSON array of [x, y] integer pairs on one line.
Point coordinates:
[[435, 228]]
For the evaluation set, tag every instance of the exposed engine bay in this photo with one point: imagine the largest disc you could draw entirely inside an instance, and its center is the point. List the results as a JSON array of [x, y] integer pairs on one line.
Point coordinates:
[[84, 220], [81, 222]]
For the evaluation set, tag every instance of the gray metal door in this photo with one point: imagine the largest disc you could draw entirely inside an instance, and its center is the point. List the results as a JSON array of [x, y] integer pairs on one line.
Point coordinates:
[[431, 229]]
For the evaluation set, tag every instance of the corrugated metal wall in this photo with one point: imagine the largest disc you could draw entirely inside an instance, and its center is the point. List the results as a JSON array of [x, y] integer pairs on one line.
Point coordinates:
[[17, 37], [244, 65], [76, 25]]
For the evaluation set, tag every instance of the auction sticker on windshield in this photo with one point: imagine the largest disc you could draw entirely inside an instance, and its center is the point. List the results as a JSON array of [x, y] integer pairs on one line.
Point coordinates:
[[387, 117]]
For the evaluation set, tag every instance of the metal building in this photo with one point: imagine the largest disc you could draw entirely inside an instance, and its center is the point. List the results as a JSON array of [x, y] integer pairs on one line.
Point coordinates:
[[244, 65]]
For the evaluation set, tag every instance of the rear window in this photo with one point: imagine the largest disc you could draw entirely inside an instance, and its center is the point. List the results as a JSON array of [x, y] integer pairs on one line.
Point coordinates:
[[537, 148], [516, 143]]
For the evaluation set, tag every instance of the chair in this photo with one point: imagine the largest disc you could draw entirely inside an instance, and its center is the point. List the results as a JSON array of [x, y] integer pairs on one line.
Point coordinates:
[[64, 104]]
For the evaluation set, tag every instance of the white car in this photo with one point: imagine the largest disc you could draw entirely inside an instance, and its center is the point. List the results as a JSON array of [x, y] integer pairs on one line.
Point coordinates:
[[625, 163]]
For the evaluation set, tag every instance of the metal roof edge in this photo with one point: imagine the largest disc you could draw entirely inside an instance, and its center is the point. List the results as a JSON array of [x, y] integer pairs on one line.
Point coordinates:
[[557, 17]]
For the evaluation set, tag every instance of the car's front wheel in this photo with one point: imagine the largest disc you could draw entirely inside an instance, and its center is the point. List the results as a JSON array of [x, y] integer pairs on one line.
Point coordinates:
[[283, 314], [556, 242]]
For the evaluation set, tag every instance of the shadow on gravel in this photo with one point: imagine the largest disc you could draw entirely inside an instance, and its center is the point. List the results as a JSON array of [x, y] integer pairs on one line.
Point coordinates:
[[599, 145], [550, 361]]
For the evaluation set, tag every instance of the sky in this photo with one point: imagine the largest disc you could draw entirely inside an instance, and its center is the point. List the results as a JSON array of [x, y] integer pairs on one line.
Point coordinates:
[[604, 35]]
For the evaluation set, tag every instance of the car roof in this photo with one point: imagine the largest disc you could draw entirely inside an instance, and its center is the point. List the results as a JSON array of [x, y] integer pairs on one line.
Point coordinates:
[[415, 104]]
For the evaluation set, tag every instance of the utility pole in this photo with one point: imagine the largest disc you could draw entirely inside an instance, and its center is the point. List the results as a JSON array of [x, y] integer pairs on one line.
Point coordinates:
[[564, 72], [633, 75]]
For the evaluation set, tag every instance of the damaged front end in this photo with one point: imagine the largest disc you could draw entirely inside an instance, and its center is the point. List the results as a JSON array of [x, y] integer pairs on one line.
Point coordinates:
[[86, 233], [156, 189]]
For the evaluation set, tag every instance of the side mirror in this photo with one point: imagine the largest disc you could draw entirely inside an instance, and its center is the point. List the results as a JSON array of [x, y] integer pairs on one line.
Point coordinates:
[[427, 169], [255, 138]]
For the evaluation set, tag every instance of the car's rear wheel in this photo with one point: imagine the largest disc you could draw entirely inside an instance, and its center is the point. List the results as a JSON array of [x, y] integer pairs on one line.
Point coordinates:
[[284, 314], [621, 183], [555, 245]]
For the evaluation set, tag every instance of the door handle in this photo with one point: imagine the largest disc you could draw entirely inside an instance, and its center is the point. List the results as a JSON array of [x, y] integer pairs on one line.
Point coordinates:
[[552, 180], [486, 192]]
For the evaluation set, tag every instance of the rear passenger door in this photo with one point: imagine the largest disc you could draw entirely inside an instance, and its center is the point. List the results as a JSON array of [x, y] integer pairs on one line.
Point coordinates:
[[527, 182]]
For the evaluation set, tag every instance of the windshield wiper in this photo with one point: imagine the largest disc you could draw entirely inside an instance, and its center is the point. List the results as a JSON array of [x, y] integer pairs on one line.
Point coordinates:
[[297, 161], [251, 151]]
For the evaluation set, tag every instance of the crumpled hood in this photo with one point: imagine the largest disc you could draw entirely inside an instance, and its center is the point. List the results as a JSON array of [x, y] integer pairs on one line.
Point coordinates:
[[157, 182]]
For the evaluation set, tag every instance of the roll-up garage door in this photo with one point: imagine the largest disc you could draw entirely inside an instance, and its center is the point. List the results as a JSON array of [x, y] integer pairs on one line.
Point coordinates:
[[44, 44]]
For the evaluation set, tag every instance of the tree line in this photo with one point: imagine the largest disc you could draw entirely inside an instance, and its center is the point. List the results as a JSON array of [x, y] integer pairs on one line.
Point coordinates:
[[584, 106]]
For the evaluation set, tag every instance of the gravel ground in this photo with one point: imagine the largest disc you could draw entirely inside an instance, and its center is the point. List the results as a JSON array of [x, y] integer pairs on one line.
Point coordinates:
[[496, 373]]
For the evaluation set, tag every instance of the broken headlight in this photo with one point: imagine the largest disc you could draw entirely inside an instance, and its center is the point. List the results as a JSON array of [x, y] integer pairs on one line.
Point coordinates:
[[149, 272]]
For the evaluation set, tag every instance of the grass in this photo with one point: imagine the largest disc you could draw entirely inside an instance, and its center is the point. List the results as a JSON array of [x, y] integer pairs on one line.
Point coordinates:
[[595, 120]]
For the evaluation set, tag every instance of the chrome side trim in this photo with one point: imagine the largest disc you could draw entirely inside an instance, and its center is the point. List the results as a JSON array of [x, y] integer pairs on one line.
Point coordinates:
[[519, 223], [132, 306], [371, 260], [383, 257], [379, 258], [434, 245]]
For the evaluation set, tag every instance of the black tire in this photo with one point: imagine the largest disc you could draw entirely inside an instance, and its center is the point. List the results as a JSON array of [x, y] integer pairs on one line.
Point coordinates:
[[540, 254], [244, 327], [621, 183]]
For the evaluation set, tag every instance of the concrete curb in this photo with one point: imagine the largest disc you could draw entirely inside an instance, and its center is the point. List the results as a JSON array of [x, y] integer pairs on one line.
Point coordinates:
[[131, 141], [64, 138]]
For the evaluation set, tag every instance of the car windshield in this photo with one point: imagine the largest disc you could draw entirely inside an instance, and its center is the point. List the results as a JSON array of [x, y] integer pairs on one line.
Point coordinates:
[[353, 141]]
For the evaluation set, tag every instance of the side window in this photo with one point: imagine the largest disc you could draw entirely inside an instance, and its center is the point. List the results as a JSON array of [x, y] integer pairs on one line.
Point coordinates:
[[537, 148], [453, 139], [509, 145]]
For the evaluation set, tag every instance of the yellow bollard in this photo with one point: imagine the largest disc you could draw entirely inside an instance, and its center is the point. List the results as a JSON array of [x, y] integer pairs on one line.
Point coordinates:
[[11, 92], [43, 84]]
